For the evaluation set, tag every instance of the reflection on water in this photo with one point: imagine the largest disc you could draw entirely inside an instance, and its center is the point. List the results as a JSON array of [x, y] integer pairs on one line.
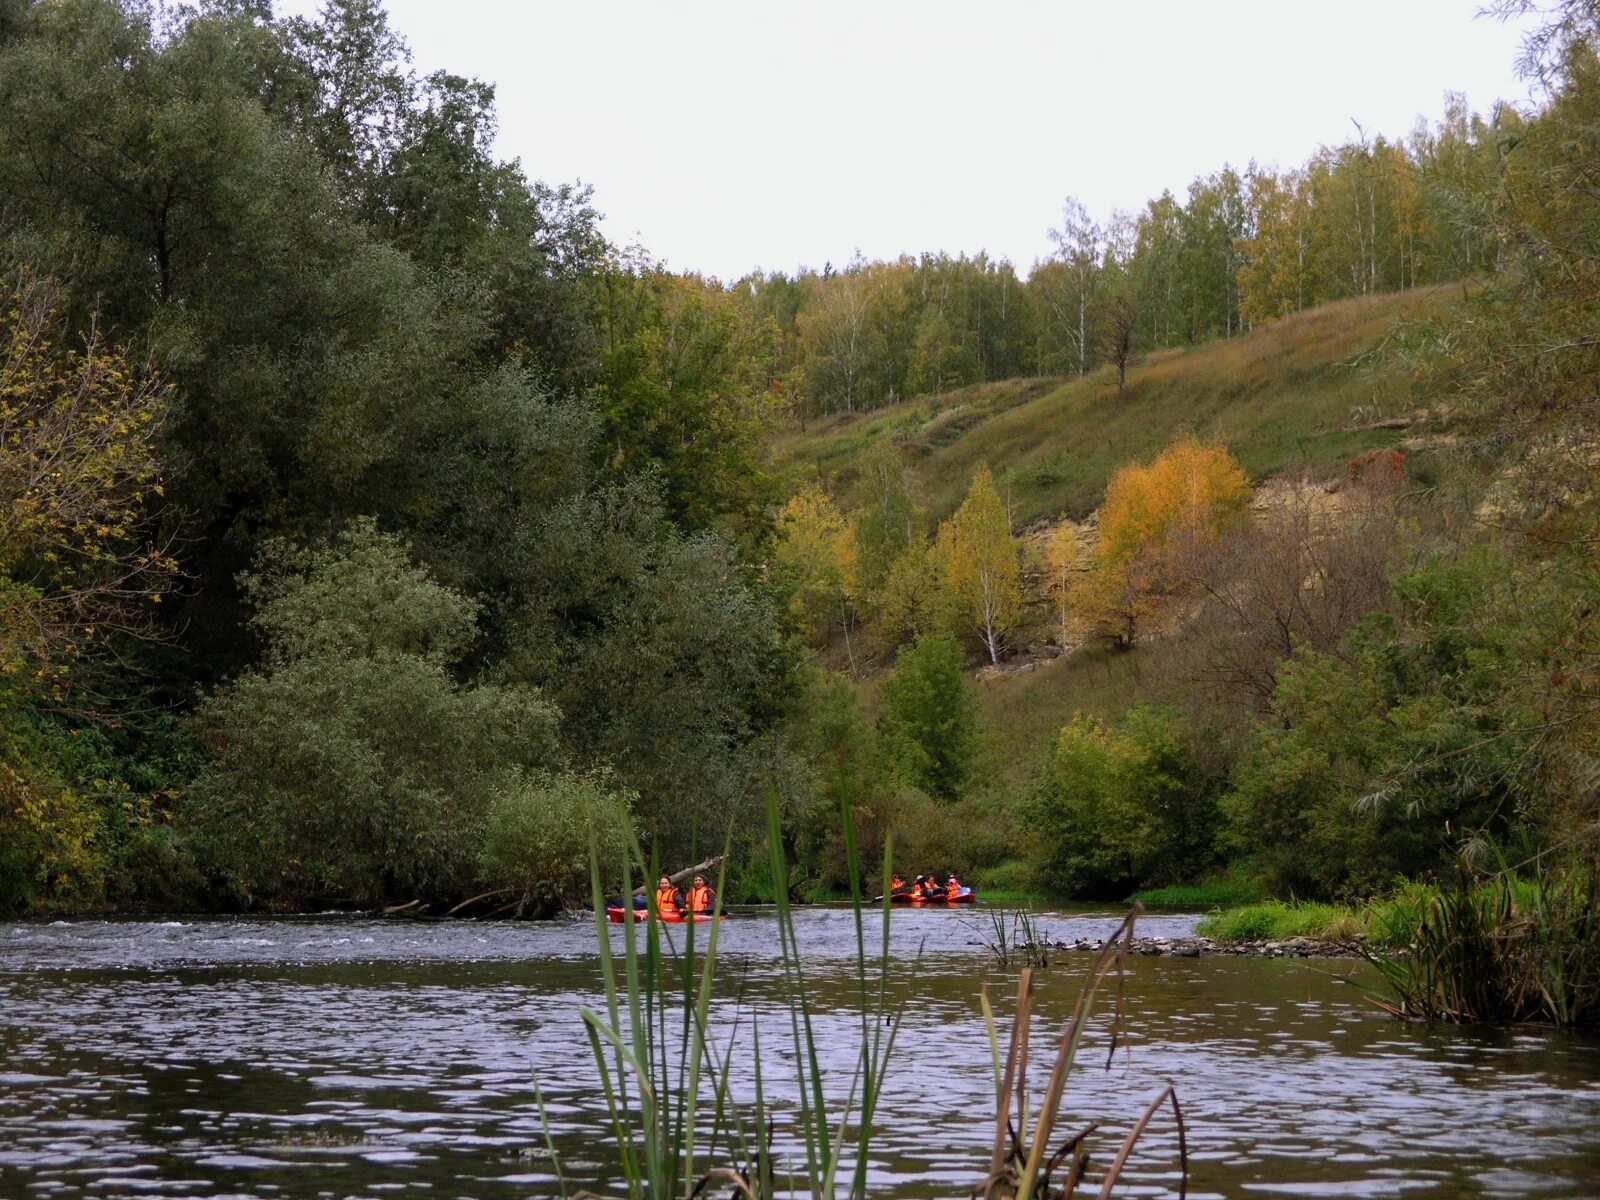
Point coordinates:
[[336, 1057]]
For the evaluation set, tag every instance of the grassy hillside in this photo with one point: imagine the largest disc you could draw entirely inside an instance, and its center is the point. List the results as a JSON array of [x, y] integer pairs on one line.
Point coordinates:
[[1299, 391]]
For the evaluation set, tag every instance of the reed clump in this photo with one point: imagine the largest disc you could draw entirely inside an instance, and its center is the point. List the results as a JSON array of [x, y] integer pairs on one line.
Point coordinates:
[[666, 1079], [1501, 949], [1014, 937], [667, 1082], [1033, 1156]]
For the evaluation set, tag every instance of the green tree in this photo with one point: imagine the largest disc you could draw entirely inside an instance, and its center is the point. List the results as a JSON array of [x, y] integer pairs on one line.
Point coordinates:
[[916, 599], [352, 767], [686, 394], [928, 718], [673, 686], [1119, 807]]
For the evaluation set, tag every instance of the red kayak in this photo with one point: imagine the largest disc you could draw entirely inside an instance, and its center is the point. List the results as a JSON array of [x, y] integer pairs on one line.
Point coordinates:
[[618, 915]]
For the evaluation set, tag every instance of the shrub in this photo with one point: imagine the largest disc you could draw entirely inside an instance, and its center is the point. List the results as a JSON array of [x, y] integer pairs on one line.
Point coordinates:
[[537, 833], [353, 768], [1120, 807], [1381, 759]]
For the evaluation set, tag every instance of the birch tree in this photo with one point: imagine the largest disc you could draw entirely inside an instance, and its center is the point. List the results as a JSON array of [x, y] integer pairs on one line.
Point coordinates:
[[980, 559], [1080, 248], [1061, 560]]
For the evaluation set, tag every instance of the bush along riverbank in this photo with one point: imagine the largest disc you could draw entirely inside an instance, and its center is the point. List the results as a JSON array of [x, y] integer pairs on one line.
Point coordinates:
[[1494, 948]]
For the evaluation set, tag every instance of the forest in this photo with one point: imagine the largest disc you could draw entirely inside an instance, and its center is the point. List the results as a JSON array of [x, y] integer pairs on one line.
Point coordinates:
[[376, 531]]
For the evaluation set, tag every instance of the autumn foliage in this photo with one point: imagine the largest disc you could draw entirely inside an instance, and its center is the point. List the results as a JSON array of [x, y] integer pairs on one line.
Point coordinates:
[[1155, 521], [816, 555], [78, 478], [979, 557]]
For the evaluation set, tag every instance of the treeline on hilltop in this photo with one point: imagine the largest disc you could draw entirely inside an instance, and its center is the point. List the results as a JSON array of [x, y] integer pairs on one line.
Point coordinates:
[[371, 530], [1241, 248]]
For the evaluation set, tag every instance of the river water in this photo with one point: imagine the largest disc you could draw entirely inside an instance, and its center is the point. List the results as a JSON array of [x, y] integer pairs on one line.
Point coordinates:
[[335, 1057]]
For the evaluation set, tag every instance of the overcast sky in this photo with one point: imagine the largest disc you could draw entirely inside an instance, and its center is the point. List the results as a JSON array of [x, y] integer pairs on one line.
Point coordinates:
[[730, 135]]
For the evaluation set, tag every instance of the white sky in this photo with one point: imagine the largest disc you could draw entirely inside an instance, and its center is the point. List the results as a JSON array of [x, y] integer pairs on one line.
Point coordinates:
[[730, 134]]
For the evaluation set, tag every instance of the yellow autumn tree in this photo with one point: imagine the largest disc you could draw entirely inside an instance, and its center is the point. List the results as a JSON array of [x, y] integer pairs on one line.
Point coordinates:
[[78, 478], [815, 555], [80, 562], [1154, 520], [1060, 562], [979, 557]]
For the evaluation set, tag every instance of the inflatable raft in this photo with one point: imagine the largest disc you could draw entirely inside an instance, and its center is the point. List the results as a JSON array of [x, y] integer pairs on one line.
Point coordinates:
[[617, 915], [965, 896]]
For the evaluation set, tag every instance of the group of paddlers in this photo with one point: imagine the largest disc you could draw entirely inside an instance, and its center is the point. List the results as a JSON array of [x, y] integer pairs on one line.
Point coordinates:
[[673, 901], [925, 887]]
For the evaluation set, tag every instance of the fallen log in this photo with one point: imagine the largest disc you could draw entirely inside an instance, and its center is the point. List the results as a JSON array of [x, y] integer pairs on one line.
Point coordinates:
[[686, 873], [485, 896]]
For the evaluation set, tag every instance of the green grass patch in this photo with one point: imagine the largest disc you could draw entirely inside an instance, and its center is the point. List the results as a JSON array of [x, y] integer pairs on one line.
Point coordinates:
[[1278, 920], [1220, 893], [1010, 899]]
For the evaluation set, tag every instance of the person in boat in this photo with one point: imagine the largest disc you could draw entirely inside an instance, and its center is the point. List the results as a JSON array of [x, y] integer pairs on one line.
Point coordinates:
[[952, 888], [702, 896], [932, 890], [669, 899], [898, 885]]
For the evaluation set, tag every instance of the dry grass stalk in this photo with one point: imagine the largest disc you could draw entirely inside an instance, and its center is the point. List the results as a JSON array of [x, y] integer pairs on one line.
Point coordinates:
[[1021, 1165]]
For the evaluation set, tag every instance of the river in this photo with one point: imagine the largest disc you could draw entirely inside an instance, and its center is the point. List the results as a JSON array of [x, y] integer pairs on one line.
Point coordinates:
[[334, 1057]]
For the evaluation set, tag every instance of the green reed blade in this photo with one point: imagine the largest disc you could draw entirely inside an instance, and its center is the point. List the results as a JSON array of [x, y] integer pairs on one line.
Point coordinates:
[[544, 1127]]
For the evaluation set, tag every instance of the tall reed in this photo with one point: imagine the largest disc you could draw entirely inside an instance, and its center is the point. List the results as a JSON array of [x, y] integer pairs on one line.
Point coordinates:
[[1022, 1164], [1498, 949], [654, 1050], [667, 1081], [1014, 938]]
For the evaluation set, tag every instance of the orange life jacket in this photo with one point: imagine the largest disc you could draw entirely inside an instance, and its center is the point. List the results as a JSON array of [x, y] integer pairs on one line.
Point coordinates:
[[667, 901], [952, 888], [701, 899]]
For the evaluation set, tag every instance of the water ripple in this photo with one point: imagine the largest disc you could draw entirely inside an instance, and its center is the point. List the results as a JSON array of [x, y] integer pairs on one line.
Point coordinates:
[[337, 1056]]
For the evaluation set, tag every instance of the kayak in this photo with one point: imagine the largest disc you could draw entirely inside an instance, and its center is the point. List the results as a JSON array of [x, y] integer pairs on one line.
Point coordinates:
[[965, 896], [617, 915]]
